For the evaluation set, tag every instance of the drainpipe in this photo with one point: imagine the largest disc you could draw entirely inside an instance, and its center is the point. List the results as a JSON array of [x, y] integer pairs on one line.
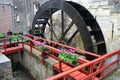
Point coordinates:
[[26, 19], [12, 13]]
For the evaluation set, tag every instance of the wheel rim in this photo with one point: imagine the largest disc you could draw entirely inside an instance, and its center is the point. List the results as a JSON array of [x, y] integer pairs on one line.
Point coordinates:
[[87, 26]]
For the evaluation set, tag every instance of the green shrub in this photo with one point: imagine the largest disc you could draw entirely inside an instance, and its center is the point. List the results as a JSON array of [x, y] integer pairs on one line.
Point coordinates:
[[26, 40], [68, 57], [2, 35], [20, 33], [15, 38]]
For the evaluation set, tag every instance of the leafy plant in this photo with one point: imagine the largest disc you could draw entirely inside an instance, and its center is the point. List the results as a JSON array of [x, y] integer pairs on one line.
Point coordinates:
[[40, 46], [15, 33], [26, 40], [15, 38], [2, 35], [20, 33], [68, 56]]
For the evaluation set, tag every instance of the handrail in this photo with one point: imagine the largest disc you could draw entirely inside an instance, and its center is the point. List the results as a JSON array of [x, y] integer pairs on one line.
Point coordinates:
[[5, 44], [105, 57], [55, 50], [52, 48], [95, 67], [55, 43]]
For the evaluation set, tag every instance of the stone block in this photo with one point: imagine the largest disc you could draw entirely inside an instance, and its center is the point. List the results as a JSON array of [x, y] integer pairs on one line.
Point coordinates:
[[105, 22], [4, 62], [104, 3], [116, 8], [92, 1], [95, 5], [5, 68]]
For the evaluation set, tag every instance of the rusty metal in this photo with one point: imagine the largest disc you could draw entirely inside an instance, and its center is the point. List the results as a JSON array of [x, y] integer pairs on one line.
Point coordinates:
[[81, 17]]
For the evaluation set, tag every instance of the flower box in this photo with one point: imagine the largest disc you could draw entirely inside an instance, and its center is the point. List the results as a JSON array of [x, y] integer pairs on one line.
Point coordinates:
[[68, 56]]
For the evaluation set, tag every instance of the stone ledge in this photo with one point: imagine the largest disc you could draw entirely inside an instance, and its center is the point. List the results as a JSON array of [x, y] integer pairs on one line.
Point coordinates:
[[4, 62], [37, 54], [5, 68], [34, 65]]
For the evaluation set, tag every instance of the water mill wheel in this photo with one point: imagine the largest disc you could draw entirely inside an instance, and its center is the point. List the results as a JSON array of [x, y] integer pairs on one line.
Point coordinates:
[[86, 28]]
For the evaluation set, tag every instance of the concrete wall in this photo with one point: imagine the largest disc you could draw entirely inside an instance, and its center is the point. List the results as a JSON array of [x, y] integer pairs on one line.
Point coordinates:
[[5, 68], [34, 65]]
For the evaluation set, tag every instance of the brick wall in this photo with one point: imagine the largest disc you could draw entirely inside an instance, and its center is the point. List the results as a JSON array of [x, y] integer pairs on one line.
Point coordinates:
[[5, 18]]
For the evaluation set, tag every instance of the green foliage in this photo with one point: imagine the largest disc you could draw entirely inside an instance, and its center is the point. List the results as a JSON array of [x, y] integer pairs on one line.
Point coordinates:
[[26, 40], [40, 47], [15, 38], [15, 33], [2, 35], [70, 58], [20, 33]]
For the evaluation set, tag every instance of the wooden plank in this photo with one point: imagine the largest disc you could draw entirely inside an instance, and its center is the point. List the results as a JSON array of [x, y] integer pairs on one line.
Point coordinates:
[[77, 75], [12, 49]]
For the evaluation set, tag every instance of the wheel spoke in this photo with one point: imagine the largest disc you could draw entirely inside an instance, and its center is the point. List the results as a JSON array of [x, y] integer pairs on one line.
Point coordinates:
[[62, 19], [53, 31], [51, 24], [65, 32], [68, 42]]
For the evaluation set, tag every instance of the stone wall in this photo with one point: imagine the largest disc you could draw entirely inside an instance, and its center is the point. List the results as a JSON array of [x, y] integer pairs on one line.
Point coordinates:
[[34, 65], [5, 68]]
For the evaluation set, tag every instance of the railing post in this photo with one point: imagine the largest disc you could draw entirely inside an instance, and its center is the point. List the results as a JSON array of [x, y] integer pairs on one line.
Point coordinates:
[[64, 78], [90, 70], [5, 46], [22, 42], [102, 73], [52, 46], [119, 59], [43, 55], [60, 70], [31, 48]]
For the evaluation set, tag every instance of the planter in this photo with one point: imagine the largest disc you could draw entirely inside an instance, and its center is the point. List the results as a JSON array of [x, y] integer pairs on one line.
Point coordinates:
[[68, 57]]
